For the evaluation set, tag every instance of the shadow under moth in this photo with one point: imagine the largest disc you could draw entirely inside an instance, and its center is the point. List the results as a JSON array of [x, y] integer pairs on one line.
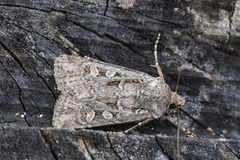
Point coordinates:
[[95, 94]]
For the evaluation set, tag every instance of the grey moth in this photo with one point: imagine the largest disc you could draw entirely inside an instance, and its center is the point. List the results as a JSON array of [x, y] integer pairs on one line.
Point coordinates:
[[95, 94]]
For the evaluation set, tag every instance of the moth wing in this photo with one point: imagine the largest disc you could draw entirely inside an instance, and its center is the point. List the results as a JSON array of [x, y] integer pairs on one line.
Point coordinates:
[[86, 78], [65, 112], [73, 115], [95, 89]]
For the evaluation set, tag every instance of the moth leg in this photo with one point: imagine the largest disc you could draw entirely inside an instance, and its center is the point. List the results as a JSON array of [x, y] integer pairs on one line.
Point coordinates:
[[139, 124], [174, 122], [156, 57]]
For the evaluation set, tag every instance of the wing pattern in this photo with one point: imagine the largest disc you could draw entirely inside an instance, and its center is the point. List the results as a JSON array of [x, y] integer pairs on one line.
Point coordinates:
[[95, 93]]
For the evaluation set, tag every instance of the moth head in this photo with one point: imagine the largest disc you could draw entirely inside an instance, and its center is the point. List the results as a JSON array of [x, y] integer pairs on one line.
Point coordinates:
[[177, 100]]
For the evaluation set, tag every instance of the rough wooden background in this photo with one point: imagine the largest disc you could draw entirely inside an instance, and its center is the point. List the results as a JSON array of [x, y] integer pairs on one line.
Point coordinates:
[[201, 35]]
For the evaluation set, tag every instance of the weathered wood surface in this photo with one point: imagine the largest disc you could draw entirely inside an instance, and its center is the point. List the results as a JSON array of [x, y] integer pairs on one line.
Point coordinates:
[[52, 143], [201, 35]]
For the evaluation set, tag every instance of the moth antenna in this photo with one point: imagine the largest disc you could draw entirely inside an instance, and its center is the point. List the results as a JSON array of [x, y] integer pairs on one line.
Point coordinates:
[[161, 75], [178, 119], [189, 134], [178, 127], [179, 78], [156, 58]]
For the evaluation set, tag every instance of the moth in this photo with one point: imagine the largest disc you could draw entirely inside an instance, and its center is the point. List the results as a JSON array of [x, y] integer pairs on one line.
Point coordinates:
[[95, 94]]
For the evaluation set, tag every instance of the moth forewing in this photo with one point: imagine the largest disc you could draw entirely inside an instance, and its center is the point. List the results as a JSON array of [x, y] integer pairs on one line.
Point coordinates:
[[95, 94]]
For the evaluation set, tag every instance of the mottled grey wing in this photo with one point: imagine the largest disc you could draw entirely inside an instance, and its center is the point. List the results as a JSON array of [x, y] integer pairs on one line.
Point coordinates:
[[107, 90], [70, 114], [83, 78]]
